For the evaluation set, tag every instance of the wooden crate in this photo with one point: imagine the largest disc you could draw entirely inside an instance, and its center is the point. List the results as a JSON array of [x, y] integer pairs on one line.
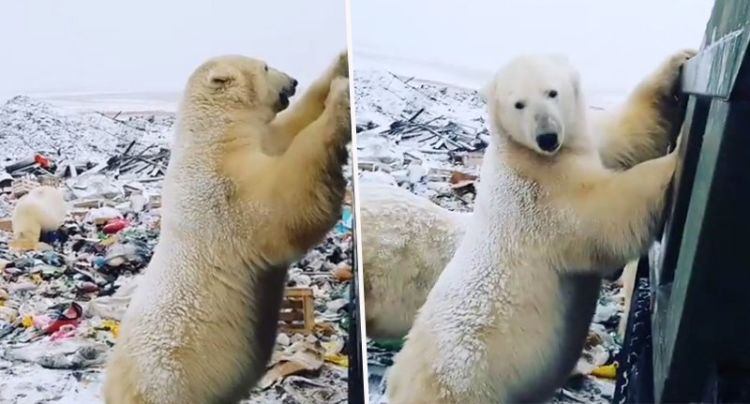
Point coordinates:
[[472, 159], [297, 311], [154, 201], [22, 186], [6, 224], [50, 180], [88, 203]]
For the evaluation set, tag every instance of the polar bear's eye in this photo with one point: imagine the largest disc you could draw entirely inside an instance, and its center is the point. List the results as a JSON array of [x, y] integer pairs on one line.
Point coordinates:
[[520, 105], [552, 93], [265, 67]]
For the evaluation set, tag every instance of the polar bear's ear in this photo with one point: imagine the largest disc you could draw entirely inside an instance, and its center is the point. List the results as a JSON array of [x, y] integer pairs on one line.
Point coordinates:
[[575, 78], [487, 91], [220, 76]]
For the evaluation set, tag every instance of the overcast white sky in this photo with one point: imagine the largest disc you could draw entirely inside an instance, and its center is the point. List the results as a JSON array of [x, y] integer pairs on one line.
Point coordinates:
[[53, 46], [613, 43], [152, 46]]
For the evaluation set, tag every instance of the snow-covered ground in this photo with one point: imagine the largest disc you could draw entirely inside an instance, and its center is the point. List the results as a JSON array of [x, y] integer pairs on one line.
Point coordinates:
[[114, 102]]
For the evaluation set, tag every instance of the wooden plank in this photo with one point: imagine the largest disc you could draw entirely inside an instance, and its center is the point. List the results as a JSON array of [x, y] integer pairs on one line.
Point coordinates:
[[308, 311], [671, 326], [701, 350], [22, 186], [291, 304], [88, 203], [298, 311], [298, 292], [714, 71], [6, 224], [690, 334], [701, 264], [291, 316], [665, 254]]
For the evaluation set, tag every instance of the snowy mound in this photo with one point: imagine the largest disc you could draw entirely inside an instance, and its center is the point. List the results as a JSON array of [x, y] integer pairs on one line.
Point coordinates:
[[383, 96], [29, 126]]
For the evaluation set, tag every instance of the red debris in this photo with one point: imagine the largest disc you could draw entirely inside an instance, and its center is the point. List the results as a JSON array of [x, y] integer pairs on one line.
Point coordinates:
[[71, 316], [42, 161], [115, 226]]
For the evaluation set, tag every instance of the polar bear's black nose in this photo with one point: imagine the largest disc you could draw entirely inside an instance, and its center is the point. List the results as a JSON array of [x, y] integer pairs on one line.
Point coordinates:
[[548, 141], [291, 89]]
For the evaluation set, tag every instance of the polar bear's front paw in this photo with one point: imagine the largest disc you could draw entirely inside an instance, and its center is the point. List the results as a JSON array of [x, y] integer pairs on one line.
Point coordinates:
[[338, 105], [338, 95], [669, 72], [341, 65], [339, 68]]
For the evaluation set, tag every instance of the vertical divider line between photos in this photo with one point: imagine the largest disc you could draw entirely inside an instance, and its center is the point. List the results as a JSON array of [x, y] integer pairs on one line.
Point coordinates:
[[358, 392]]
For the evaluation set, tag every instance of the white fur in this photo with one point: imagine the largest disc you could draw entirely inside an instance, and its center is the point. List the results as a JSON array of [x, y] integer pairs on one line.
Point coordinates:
[[42, 209], [407, 240]]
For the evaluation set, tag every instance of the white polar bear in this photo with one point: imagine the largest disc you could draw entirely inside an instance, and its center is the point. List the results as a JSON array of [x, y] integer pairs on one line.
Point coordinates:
[[246, 193], [637, 131], [42, 209], [413, 233], [507, 319]]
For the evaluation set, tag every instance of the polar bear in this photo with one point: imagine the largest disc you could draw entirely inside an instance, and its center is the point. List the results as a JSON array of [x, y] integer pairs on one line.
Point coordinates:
[[398, 281], [399, 215], [42, 209], [246, 192], [507, 318]]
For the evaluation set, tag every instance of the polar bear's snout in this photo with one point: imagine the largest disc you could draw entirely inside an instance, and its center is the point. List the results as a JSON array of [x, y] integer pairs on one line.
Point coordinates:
[[284, 87], [548, 142], [547, 130], [287, 92], [290, 89]]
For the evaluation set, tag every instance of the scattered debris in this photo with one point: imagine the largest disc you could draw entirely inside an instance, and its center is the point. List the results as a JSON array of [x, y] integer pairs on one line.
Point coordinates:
[[61, 301], [343, 272], [297, 311], [417, 135], [299, 357]]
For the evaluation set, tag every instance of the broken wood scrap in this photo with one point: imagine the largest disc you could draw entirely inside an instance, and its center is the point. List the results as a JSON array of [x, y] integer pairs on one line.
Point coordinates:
[[114, 118], [443, 135], [463, 184], [413, 117]]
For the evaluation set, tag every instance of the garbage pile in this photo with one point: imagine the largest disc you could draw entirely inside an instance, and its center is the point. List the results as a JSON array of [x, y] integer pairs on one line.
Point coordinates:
[[429, 138], [422, 136], [61, 302]]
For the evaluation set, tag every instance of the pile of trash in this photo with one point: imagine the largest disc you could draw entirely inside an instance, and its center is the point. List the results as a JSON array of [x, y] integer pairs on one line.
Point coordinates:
[[61, 302], [422, 136], [429, 138]]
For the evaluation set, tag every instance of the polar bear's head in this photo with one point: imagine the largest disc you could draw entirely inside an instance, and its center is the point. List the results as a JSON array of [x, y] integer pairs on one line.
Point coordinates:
[[536, 101], [241, 81]]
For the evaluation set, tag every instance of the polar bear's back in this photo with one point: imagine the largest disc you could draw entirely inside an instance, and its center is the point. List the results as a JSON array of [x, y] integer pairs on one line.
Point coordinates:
[[42, 209], [407, 241]]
